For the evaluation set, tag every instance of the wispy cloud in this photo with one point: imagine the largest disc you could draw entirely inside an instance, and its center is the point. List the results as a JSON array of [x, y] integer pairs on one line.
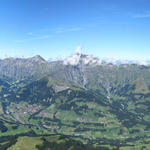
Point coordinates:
[[57, 30], [142, 15], [33, 38], [76, 29], [30, 33], [41, 37], [63, 30]]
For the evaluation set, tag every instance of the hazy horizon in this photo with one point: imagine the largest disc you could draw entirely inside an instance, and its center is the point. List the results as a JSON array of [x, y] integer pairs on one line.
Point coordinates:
[[76, 52]]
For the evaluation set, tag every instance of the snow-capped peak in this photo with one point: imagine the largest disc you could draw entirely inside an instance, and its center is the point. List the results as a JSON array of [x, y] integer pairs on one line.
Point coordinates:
[[79, 58], [72, 60]]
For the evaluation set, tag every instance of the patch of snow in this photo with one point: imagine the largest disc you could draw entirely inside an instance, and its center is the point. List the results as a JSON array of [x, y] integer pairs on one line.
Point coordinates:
[[80, 58], [73, 60]]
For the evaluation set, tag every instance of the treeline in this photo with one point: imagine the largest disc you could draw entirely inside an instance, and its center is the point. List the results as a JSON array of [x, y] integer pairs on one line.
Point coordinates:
[[68, 144], [12, 140]]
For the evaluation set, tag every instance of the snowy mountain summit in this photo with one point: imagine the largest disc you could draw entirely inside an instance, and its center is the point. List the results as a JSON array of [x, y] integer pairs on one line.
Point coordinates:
[[79, 58], [84, 59]]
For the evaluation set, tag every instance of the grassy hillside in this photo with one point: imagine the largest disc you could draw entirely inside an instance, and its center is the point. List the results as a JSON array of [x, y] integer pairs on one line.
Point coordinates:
[[102, 105]]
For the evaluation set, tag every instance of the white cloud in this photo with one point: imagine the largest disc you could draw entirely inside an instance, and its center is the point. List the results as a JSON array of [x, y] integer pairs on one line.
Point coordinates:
[[78, 49]]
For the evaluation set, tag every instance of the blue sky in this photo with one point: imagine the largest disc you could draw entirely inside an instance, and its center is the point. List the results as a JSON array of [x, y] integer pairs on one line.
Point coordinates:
[[54, 28]]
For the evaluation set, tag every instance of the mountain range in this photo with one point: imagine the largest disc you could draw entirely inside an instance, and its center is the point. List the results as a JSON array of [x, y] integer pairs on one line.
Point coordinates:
[[101, 102]]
